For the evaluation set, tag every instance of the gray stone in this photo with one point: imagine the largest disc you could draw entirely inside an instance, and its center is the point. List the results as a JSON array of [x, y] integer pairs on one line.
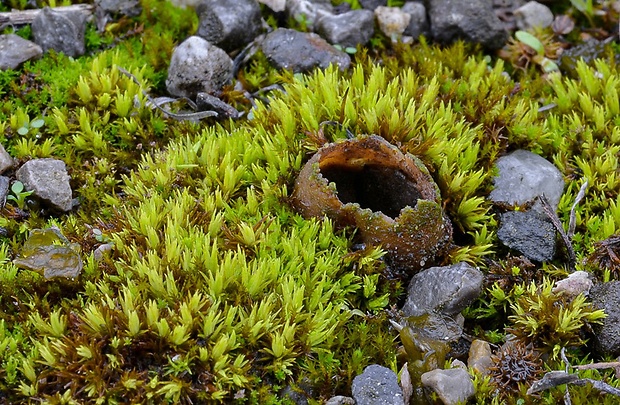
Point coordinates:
[[448, 290], [130, 8], [372, 4], [453, 386], [523, 176], [229, 24], [606, 296], [533, 14], [62, 32], [392, 21], [347, 29], [197, 66], [418, 24], [340, 400], [102, 250], [576, 283], [48, 180], [529, 233], [473, 21], [301, 51], [6, 161], [275, 5], [309, 11], [49, 251], [207, 102], [4, 190], [14, 50], [377, 385]]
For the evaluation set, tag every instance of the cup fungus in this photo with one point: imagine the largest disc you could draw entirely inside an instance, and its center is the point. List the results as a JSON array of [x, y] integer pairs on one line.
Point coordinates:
[[388, 196]]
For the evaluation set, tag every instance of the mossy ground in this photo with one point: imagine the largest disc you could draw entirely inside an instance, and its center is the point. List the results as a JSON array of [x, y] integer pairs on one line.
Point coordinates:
[[216, 290]]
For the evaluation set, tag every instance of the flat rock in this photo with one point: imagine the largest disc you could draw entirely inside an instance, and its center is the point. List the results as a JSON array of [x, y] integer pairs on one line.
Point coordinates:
[[447, 290], [472, 21], [49, 182], [229, 24], [6, 161], [606, 296], [300, 51], [453, 386], [14, 50], [377, 385], [529, 233], [197, 66], [523, 176], [348, 29], [418, 23], [62, 32], [48, 250]]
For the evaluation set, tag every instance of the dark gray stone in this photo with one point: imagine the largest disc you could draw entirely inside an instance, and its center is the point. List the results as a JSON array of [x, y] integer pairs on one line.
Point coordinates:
[[523, 176], [49, 182], [473, 21], [14, 50], [347, 29], [453, 386], [229, 24], [62, 32], [529, 233], [130, 8], [372, 4], [4, 190], [301, 52], [377, 385], [447, 290], [418, 25], [6, 161], [606, 296], [197, 66], [207, 102]]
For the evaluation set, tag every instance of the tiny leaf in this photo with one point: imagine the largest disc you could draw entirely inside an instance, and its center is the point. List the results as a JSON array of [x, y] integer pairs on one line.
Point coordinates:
[[531, 41]]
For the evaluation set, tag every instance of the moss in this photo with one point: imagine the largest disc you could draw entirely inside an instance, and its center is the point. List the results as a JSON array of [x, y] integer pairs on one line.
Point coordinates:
[[217, 290]]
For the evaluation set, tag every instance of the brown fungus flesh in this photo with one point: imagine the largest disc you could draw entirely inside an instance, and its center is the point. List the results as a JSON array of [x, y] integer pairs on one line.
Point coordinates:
[[388, 196]]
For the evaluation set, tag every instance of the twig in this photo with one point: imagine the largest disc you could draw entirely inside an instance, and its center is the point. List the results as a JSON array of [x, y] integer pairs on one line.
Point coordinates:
[[558, 226], [24, 17], [189, 116], [573, 219], [554, 378]]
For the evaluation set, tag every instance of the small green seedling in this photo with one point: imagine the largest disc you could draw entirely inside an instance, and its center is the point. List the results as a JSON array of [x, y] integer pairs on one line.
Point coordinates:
[[36, 124], [540, 59], [19, 194]]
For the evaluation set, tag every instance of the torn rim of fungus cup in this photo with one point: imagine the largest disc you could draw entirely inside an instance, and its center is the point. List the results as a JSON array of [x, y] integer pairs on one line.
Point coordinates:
[[390, 197]]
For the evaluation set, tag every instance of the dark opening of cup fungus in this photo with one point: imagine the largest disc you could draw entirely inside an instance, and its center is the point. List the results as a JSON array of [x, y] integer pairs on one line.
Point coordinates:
[[388, 196]]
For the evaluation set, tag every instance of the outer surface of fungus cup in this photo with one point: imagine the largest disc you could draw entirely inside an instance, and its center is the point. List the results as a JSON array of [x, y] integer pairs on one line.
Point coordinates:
[[389, 196]]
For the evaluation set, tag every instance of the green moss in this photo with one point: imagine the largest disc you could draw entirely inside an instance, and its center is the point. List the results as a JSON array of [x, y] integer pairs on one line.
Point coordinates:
[[216, 290]]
